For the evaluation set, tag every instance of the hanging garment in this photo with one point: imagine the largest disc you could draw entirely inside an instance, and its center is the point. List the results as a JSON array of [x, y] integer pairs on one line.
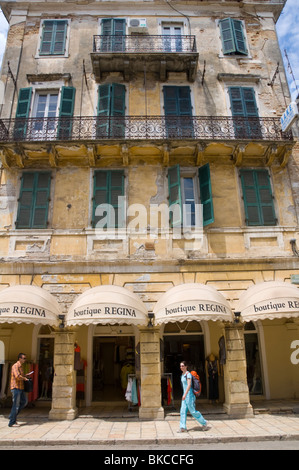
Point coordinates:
[[128, 394], [80, 379], [77, 358], [169, 391], [125, 370], [134, 398]]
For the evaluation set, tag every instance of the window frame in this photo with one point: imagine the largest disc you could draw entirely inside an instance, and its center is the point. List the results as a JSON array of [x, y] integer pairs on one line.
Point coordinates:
[[198, 185], [108, 172], [31, 225], [233, 55], [38, 55], [259, 203]]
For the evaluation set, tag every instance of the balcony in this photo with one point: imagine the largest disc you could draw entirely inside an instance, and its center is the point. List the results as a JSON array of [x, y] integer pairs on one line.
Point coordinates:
[[87, 140], [156, 54]]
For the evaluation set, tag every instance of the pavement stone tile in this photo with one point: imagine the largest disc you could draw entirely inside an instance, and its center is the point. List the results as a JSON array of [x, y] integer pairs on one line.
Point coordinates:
[[109, 425]]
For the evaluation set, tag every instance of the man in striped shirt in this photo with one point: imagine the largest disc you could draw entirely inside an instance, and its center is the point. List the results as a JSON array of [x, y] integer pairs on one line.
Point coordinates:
[[19, 398]]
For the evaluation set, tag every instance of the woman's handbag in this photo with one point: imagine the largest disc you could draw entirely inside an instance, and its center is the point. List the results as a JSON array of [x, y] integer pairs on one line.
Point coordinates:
[[28, 385]]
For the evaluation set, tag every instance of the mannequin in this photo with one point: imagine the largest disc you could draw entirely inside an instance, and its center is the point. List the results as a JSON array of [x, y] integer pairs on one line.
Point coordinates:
[[213, 372]]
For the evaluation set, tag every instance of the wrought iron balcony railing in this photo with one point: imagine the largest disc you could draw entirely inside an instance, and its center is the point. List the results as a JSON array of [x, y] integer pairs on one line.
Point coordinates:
[[153, 128], [144, 44]]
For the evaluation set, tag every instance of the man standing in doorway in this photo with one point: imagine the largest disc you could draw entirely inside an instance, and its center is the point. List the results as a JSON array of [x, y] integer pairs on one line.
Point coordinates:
[[19, 399]]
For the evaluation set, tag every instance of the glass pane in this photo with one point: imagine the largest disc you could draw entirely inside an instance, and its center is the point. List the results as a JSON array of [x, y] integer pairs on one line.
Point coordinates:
[[189, 202]]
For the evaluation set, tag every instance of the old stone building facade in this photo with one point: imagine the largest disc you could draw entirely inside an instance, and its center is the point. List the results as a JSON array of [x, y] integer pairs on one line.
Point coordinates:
[[149, 203]]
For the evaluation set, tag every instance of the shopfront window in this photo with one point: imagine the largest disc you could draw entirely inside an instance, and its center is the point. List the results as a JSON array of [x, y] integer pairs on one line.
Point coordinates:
[[254, 371]]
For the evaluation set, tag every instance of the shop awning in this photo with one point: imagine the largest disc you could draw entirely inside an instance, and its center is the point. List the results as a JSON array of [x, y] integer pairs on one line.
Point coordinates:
[[28, 304], [107, 305], [269, 300], [192, 302]]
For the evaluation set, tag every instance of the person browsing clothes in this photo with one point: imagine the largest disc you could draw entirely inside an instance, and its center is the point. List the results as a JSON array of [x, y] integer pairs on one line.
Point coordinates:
[[188, 401], [19, 398]]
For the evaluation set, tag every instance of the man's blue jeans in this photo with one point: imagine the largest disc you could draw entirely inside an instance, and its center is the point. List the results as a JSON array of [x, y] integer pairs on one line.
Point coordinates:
[[19, 401]]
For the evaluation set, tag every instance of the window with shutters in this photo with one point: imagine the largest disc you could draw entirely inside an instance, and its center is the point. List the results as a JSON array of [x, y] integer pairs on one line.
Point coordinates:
[[34, 200], [111, 110], [178, 111], [233, 37], [45, 111], [243, 105], [172, 37], [108, 199], [51, 114], [258, 197], [113, 35], [53, 40], [190, 192]]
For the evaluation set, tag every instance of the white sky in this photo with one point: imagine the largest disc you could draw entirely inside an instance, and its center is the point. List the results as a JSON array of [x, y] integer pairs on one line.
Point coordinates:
[[287, 31]]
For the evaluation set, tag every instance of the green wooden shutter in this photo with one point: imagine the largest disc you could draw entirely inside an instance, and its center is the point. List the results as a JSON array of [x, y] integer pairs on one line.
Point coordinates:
[[177, 103], [108, 187], [103, 108], [240, 43], [66, 111], [113, 34], [22, 113], [243, 101], [206, 197], [232, 35], [118, 103], [175, 196], [111, 103], [243, 104], [34, 200], [227, 36], [53, 37], [258, 199]]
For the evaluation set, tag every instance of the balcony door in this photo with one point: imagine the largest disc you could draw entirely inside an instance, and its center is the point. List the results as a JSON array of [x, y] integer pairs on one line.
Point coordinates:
[[113, 35], [172, 38], [245, 112], [178, 112], [45, 111], [111, 111]]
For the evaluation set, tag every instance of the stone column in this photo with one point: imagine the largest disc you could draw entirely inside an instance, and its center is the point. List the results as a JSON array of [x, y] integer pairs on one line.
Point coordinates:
[[64, 384], [237, 403], [150, 371]]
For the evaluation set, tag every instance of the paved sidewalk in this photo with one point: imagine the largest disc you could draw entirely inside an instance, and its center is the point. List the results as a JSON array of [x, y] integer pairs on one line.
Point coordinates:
[[109, 427]]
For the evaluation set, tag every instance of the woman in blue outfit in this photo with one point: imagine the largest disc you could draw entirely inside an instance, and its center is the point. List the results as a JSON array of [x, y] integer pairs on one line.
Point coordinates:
[[188, 401]]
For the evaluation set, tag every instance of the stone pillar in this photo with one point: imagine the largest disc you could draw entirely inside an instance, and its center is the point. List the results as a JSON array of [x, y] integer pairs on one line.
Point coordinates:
[[150, 371], [237, 403], [64, 384]]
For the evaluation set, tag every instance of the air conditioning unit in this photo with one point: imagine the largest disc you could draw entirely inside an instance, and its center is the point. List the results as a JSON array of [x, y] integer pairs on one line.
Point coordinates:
[[137, 25]]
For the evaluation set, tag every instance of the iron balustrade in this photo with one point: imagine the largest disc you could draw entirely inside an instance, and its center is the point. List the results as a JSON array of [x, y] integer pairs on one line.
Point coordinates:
[[143, 43], [156, 128]]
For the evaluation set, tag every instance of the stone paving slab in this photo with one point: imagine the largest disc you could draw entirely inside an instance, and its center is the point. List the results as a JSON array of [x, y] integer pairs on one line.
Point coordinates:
[[39, 430]]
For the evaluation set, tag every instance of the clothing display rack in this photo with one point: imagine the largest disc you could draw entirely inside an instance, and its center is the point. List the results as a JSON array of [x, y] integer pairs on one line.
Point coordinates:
[[133, 392]]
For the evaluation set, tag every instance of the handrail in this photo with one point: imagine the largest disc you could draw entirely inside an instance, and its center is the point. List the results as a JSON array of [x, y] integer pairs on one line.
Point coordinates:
[[159, 128], [144, 43]]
